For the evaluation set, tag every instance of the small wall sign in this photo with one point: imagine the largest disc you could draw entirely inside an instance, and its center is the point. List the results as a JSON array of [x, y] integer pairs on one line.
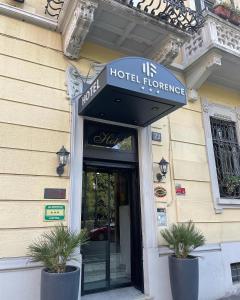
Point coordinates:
[[156, 136], [54, 213], [161, 217], [180, 190], [160, 192], [50, 193]]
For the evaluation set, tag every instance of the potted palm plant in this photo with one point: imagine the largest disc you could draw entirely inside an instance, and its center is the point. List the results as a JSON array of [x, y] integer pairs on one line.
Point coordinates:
[[54, 249], [223, 9], [183, 267]]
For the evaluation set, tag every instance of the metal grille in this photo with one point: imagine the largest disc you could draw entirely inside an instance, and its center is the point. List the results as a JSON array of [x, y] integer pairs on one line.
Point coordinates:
[[235, 270], [54, 7], [227, 157], [173, 12]]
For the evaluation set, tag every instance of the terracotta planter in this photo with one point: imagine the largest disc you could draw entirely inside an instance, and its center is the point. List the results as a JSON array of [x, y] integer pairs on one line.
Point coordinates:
[[235, 19], [222, 11]]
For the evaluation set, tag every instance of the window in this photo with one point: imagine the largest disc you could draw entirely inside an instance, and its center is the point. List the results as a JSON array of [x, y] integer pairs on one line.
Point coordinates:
[[235, 270], [227, 157], [222, 134], [204, 4], [109, 142]]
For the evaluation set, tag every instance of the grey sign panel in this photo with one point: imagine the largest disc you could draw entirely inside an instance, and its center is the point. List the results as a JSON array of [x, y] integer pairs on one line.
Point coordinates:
[[134, 91]]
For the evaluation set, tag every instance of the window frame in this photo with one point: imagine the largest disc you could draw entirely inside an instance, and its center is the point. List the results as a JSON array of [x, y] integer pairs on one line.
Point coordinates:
[[227, 114], [201, 5], [235, 267]]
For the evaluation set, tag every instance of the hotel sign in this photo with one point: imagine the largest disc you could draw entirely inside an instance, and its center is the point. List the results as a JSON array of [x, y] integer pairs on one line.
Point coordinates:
[[54, 213], [127, 80]]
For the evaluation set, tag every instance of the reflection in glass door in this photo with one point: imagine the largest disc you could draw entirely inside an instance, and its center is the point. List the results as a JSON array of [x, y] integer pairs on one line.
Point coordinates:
[[106, 215]]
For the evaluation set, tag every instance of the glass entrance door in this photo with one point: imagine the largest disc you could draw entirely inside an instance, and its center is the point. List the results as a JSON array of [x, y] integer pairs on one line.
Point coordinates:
[[106, 215]]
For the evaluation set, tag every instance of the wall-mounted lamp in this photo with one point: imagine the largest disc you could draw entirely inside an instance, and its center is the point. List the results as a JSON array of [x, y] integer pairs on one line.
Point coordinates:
[[63, 156], [163, 166]]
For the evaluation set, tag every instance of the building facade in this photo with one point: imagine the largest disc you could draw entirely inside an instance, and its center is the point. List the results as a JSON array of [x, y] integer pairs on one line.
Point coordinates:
[[50, 55]]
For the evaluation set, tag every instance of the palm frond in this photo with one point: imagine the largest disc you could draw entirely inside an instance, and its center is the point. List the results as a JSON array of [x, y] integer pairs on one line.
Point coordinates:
[[183, 238], [56, 247]]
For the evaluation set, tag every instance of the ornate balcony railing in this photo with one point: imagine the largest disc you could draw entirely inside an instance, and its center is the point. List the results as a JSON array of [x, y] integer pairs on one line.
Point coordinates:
[[216, 33], [173, 12], [54, 7]]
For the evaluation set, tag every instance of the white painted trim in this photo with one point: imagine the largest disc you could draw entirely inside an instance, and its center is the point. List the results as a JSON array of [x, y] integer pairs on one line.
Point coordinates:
[[225, 113], [16, 263], [148, 208], [24, 15], [163, 251], [76, 166]]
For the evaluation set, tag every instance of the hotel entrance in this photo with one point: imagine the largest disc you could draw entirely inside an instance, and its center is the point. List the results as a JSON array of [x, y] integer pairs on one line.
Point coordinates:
[[111, 209]]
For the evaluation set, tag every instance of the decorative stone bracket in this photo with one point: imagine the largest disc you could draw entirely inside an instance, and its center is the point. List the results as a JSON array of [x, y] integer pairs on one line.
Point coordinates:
[[168, 52], [75, 80], [76, 29], [199, 73]]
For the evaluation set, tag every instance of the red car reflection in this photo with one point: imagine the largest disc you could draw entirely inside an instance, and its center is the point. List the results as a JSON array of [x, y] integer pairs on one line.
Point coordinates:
[[101, 233]]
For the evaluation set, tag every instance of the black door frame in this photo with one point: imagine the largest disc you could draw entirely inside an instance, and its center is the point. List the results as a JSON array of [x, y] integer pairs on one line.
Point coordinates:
[[136, 227], [113, 159]]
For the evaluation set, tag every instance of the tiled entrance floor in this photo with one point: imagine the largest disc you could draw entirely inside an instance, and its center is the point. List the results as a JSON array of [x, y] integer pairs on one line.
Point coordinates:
[[129, 293]]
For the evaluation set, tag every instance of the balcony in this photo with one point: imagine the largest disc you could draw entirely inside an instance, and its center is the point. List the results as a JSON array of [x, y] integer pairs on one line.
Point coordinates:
[[213, 53], [153, 29]]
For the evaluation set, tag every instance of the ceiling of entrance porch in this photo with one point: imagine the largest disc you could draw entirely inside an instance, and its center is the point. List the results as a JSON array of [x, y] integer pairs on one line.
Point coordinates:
[[124, 29]]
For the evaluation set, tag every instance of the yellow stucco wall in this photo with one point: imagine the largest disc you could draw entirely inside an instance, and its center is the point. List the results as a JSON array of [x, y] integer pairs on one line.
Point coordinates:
[[184, 146], [34, 124]]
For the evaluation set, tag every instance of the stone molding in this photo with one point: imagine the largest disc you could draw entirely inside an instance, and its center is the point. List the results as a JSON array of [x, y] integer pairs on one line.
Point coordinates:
[[168, 52], [77, 28], [216, 33], [75, 80], [200, 71]]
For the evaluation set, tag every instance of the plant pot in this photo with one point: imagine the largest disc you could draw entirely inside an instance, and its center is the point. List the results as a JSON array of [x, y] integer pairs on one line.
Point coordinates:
[[235, 19], [222, 11], [184, 277], [60, 286]]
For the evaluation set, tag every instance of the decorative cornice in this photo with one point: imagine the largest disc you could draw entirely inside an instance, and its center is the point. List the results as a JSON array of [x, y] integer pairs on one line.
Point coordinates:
[[169, 51], [78, 26]]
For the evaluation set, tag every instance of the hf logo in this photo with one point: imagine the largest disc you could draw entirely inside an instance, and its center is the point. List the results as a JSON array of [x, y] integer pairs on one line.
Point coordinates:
[[149, 69]]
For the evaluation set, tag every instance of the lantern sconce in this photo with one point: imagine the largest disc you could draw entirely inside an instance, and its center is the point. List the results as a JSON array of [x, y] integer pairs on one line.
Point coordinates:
[[163, 166], [63, 156]]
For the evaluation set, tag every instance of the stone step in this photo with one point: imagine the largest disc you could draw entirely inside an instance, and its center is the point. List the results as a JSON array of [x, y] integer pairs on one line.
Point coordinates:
[[119, 294]]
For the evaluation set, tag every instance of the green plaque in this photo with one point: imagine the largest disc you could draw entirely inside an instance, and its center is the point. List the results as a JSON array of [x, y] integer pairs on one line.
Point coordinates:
[[54, 213]]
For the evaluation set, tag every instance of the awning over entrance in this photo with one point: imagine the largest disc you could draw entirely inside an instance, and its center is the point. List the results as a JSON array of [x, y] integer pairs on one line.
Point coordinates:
[[133, 90]]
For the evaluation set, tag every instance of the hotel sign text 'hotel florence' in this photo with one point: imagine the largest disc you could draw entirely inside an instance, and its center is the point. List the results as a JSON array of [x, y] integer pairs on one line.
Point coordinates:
[[128, 79]]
